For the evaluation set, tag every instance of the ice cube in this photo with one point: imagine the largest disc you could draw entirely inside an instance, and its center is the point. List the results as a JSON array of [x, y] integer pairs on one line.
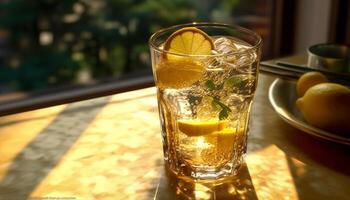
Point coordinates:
[[242, 57], [213, 63], [244, 63], [241, 46], [224, 46]]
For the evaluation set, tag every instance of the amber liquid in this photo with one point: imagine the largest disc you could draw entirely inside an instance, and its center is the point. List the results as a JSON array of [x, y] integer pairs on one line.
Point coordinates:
[[209, 156]]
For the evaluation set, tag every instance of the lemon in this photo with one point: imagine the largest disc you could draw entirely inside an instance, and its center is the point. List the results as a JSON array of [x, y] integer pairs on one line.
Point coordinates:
[[189, 41], [178, 74], [195, 127], [176, 71], [308, 80], [327, 106], [225, 136], [225, 139]]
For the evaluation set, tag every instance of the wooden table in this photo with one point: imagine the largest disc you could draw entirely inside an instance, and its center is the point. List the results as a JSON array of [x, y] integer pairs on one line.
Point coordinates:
[[110, 148]]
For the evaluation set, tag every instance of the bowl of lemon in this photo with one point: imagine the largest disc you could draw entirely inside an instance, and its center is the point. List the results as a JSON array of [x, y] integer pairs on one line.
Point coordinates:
[[314, 105]]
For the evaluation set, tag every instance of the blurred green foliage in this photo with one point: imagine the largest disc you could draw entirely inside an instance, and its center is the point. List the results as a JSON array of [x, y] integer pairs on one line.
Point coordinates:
[[57, 42]]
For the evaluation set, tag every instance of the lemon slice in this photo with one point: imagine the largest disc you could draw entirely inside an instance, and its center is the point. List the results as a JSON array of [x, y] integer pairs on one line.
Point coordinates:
[[180, 71], [178, 74], [189, 41], [225, 139], [192, 127], [227, 134]]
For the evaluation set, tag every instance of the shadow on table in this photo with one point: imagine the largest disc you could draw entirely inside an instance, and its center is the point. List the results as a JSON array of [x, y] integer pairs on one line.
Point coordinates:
[[35, 161], [332, 155], [240, 187], [328, 181]]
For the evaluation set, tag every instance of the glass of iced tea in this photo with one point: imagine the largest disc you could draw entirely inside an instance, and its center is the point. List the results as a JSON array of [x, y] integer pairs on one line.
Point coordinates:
[[206, 75]]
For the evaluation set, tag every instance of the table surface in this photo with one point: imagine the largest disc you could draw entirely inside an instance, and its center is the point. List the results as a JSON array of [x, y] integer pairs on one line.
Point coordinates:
[[110, 148]]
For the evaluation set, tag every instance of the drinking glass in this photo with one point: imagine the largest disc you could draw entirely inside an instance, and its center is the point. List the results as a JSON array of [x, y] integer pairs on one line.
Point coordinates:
[[204, 101]]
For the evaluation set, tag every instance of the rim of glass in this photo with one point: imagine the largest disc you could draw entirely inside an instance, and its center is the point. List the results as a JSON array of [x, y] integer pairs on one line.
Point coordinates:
[[155, 35]]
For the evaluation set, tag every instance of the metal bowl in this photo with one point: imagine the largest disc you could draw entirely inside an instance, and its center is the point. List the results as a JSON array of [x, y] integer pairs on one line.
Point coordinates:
[[333, 57], [282, 96]]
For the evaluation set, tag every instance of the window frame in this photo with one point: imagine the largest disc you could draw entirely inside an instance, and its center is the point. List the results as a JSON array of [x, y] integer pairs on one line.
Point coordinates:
[[73, 94]]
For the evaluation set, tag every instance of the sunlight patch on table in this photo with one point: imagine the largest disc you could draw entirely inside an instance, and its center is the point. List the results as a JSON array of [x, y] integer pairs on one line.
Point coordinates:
[[271, 174], [20, 130], [120, 147]]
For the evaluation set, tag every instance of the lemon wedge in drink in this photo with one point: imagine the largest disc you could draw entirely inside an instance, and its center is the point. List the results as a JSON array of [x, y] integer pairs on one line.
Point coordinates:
[[225, 139], [224, 136], [179, 70], [178, 74], [193, 127], [189, 41]]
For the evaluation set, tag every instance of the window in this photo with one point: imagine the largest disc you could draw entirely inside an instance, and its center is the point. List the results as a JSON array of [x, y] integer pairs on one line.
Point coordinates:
[[51, 47]]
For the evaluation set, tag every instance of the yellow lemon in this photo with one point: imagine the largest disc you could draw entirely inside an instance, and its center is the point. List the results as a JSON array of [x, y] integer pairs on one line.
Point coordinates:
[[327, 106], [189, 41], [178, 74], [195, 127], [226, 136], [308, 80], [175, 71], [225, 139]]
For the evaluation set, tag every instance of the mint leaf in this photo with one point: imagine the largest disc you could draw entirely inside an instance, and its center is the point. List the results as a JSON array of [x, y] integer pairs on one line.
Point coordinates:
[[215, 105], [222, 105], [210, 85], [223, 114]]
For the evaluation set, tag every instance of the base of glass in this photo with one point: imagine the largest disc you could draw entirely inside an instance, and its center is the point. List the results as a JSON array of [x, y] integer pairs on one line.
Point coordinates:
[[205, 173]]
